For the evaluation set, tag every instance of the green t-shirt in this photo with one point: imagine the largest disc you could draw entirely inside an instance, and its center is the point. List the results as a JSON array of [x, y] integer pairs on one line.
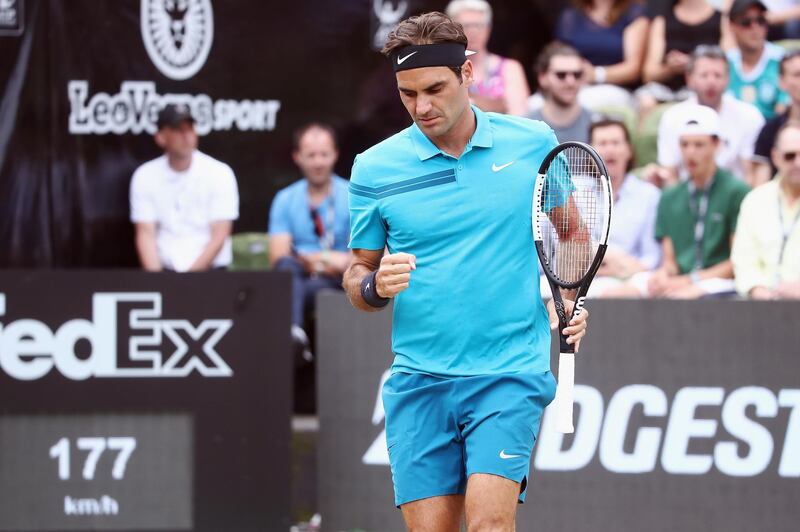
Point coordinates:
[[677, 217]]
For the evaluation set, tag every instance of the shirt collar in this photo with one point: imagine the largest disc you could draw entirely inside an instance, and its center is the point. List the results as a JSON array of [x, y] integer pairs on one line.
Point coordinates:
[[482, 137]]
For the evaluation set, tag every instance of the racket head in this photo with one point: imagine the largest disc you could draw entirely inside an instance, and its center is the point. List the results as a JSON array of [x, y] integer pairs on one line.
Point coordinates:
[[572, 204]]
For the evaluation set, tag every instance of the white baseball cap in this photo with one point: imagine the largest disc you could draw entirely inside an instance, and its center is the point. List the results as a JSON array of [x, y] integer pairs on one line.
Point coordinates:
[[699, 120]]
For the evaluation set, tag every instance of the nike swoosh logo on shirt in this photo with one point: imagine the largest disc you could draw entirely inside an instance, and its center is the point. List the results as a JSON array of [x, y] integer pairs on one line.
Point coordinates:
[[505, 456], [496, 168], [401, 59]]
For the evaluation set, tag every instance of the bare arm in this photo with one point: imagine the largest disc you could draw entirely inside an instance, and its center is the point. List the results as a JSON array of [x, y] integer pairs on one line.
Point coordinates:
[[517, 91], [654, 68], [220, 230], [280, 245], [393, 275], [146, 246], [634, 44], [364, 262]]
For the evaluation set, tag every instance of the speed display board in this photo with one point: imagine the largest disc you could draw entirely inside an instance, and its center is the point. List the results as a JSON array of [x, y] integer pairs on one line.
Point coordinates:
[[132, 401]]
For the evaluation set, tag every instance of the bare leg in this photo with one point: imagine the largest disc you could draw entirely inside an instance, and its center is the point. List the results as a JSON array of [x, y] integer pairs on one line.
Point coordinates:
[[434, 514], [491, 503]]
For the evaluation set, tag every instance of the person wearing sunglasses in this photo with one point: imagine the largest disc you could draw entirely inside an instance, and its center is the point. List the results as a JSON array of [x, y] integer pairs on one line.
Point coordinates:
[[560, 73], [766, 250], [755, 61], [763, 168]]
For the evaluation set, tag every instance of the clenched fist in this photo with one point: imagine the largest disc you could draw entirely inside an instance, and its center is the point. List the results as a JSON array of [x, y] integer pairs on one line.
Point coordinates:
[[394, 274]]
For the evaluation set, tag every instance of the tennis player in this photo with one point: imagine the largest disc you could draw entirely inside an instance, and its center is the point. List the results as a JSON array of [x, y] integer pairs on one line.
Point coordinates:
[[450, 197]]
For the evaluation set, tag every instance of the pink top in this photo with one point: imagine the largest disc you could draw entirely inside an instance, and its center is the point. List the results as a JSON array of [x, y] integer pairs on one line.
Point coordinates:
[[493, 85]]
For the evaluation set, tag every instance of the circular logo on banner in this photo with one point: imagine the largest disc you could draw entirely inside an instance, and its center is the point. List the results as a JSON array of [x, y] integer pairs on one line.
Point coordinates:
[[177, 35]]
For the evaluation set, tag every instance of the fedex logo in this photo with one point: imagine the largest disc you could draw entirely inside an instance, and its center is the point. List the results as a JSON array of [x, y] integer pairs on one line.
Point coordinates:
[[30, 349]]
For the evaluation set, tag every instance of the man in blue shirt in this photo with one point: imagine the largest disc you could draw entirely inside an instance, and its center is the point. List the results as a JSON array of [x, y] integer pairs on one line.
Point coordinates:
[[450, 197], [309, 224]]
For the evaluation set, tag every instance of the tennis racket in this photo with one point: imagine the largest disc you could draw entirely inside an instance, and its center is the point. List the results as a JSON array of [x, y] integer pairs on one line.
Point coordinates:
[[571, 218]]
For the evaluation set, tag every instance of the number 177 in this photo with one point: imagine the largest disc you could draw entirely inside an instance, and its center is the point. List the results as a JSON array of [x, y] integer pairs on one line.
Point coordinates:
[[95, 446]]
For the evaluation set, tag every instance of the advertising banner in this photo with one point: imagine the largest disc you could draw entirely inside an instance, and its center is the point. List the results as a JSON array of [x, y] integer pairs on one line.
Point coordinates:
[[134, 401], [687, 418]]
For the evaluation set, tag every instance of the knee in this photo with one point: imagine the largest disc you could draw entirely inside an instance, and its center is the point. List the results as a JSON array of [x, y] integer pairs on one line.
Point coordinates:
[[287, 264], [487, 522]]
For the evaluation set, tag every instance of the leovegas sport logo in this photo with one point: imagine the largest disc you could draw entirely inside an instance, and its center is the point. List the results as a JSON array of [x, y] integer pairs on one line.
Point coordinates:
[[30, 349], [736, 439]]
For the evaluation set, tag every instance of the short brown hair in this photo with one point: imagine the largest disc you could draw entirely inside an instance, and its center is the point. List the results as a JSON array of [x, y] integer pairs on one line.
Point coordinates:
[[300, 132], [429, 28], [602, 121], [555, 48]]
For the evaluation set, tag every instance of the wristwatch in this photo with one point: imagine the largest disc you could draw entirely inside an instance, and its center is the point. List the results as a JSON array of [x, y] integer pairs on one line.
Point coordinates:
[[694, 277], [599, 74]]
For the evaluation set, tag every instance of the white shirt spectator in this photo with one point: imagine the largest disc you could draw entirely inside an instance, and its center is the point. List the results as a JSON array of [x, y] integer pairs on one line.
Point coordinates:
[[740, 123], [634, 220], [183, 205]]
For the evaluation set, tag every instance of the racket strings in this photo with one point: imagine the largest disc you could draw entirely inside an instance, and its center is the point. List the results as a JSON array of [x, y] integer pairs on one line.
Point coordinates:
[[572, 203]]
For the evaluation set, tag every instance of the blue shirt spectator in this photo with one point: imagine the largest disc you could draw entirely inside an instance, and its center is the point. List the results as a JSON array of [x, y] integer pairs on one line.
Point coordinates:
[[291, 214]]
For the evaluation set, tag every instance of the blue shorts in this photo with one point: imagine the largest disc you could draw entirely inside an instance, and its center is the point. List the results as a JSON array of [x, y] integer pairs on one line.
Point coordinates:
[[441, 431]]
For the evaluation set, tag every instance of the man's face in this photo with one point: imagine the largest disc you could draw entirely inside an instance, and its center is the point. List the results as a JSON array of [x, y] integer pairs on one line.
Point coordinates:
[[476, 27], [698, 153], [316, 155], [178, 142], [610, 143], [750, 29], [786, 155], [563, 79], [790, 79], [434, 97], [709, 79]]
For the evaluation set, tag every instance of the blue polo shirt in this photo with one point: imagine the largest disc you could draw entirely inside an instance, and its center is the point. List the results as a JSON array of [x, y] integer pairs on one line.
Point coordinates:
[[290, 214], [473, 306]]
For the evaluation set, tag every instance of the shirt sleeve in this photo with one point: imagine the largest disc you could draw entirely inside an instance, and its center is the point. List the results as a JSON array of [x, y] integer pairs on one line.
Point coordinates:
[[650, 247], [367, 229], [143, 205], [747, 268], [225, 204], [750, 137], [668, 151], [279, 219]]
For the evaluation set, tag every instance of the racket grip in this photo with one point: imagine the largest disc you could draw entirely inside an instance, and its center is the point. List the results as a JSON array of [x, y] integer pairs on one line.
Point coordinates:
[[565, 393]]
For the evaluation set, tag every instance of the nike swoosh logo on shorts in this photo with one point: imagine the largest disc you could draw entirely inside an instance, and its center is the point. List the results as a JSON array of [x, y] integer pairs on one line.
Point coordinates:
[[496, 168], [505, 456], [401, 59]]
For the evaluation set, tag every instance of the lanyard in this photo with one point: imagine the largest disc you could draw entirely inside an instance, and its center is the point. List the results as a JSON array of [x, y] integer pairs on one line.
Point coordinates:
[[786, 231], [699, 209], [324, 230]]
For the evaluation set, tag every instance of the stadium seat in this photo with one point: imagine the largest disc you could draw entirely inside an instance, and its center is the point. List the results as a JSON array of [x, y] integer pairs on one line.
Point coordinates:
[[250, 251]]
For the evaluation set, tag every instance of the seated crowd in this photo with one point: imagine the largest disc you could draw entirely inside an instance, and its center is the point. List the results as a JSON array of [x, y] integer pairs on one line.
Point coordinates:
[[695, 112]]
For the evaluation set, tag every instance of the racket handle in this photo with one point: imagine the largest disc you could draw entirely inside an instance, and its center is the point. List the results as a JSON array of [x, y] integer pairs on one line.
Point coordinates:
[[565, 393]]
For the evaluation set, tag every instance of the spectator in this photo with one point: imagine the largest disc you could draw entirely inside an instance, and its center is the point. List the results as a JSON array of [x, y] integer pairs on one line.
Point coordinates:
[[763, 169], [766, 251], [754, 61], [632, 247], [309, 225], [783, 17], [183, 203], [696, 220], [674, 33], [740, 122], [499, 84], [612, 36], [560, 72]]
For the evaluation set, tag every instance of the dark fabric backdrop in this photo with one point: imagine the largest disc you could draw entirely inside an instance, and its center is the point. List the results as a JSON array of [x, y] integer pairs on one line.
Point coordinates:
[[64, 196]]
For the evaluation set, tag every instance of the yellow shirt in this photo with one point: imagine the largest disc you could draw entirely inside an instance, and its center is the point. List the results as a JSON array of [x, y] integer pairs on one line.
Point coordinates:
[[759, 238]]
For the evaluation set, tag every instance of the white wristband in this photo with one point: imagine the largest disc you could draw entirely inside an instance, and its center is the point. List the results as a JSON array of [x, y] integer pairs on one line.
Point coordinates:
[[599, 74]]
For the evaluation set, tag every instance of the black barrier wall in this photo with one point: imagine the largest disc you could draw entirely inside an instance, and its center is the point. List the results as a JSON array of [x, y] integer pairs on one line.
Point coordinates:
[[136, 401], [688, 418]]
